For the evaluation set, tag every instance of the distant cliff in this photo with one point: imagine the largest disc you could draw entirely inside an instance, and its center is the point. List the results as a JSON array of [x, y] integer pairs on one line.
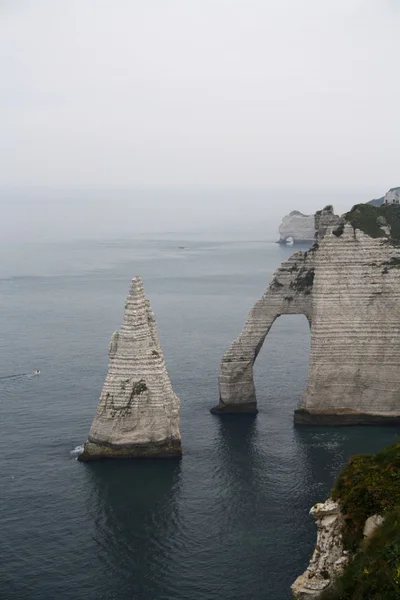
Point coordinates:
[[391, 197], [348, 286], [357, 554], [300, 228]]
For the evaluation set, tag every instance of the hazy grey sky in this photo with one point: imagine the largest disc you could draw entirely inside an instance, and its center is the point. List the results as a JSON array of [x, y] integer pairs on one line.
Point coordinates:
[[234, 93]]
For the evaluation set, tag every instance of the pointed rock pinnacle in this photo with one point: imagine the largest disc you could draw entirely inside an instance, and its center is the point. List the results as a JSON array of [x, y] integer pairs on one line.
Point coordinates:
[[138, 411]]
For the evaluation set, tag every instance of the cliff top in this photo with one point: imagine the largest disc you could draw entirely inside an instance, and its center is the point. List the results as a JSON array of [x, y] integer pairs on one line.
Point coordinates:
[[369, 485], [297, 213], [376, 221]]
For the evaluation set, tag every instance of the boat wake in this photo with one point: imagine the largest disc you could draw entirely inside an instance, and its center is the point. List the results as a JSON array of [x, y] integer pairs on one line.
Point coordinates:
[[6, 380], [17, 376]]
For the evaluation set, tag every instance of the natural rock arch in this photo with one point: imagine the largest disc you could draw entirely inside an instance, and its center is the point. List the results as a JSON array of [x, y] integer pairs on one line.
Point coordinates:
[[297, 227], [354, 306], [289, 293]]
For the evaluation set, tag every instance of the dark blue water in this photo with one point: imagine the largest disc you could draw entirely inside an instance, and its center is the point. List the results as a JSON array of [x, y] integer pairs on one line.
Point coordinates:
[[230, 520]]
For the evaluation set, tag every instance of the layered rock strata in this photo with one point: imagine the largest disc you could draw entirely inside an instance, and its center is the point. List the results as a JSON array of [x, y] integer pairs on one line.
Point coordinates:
[[355, 338], [300, 228], [138, 411], [288, 293], [329, 558], [348, 286]]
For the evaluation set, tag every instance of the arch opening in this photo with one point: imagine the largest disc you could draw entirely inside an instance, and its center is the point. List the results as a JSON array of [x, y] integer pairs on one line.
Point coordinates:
[[281, 368], [289, 293]]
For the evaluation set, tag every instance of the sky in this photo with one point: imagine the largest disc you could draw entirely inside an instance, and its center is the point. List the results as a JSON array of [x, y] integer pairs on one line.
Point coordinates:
[[295, 95]]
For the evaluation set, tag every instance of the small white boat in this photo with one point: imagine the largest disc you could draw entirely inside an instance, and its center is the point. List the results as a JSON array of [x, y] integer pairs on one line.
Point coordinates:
[[36, 372]]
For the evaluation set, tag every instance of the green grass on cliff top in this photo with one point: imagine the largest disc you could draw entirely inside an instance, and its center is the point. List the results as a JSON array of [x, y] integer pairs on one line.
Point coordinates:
[[374, 572], [369, 219], [368, 485]]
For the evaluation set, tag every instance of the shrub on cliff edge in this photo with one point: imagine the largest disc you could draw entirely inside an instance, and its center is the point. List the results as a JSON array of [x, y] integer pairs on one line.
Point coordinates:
[[374, 572], [368, 485]]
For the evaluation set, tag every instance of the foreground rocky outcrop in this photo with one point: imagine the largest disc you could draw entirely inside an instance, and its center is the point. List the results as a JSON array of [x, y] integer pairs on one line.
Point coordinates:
[[300, 228], [329, 558], [348, 286], [138, 411], [357, 554]]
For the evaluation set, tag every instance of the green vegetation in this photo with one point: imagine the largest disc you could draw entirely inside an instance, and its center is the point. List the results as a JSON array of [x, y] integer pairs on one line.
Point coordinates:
[[339, 230], [370, 219], [327, 208], [368, 485], [394, 263], [303, 281], [374, 572], [377, 201]]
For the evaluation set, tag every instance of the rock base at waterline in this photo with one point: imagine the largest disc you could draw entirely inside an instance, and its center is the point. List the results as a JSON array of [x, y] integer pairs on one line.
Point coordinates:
[[165, 449], [303, 416], [249, 408]]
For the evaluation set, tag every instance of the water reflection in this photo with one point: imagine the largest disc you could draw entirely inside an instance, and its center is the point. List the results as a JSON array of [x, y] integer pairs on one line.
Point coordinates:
[[240, 472], [324, 451], [134, 505]]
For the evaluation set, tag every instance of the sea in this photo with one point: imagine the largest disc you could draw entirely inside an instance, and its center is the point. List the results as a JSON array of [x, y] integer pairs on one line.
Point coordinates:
[[230, 520]]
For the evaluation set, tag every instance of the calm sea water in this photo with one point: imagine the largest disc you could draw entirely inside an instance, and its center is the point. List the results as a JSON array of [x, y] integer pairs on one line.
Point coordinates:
[[230, 520]]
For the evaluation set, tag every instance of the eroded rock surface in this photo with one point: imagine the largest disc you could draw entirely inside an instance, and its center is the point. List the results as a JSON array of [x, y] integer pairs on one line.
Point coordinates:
[[348, 286], [138, 411], [329, 559], [299, 227], [288, 293], [355, 337], [371, 525]]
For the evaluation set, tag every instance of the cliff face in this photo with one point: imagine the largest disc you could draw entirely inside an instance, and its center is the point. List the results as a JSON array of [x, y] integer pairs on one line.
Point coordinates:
[[288, 293], [351, 297], [329, 558], [357, 554], [138, 411], [393, 195], [355, 341], [299, 227]]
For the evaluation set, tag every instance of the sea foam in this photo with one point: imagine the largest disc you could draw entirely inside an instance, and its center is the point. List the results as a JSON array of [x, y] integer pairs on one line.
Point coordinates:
[[76, 451]]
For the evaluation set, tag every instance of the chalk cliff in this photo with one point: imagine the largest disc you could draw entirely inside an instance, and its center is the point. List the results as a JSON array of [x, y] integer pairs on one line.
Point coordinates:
[[299, 227], [138, 411], [348, 286], [357, 553], [329, 558], [391, 197], [288, 293]]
